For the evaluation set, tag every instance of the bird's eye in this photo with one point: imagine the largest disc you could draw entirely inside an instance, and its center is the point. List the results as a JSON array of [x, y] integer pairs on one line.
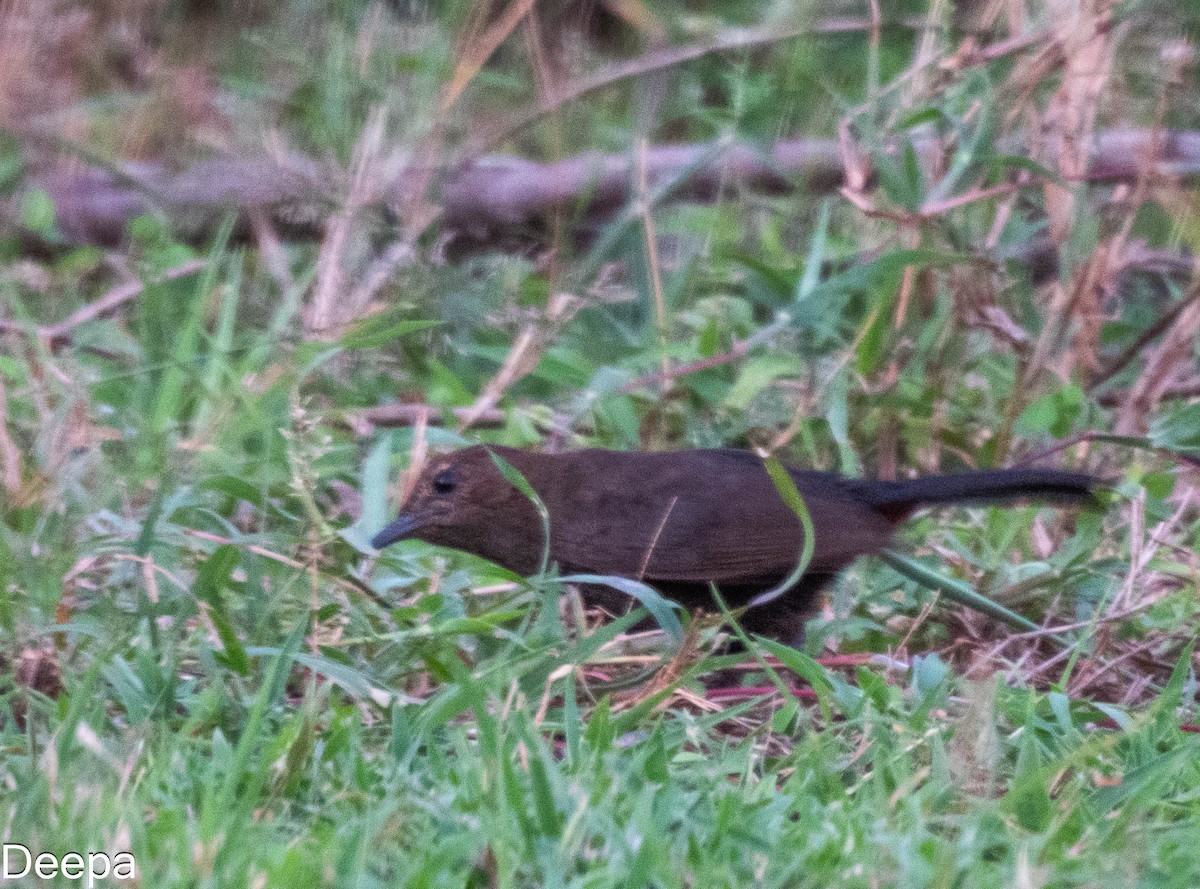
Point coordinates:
[[444, 482]]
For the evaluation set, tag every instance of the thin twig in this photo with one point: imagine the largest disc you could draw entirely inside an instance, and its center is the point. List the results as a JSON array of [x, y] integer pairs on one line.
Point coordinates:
[[729, 40], [1149, 335], [1188, 388], [657, 533], [386, 416], [59, 335], [524, 355], [356, 586], [10, 454], [737, 351]]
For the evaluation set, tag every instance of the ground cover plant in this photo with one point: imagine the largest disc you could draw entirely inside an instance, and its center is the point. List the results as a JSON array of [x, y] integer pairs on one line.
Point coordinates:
[[259, 260]]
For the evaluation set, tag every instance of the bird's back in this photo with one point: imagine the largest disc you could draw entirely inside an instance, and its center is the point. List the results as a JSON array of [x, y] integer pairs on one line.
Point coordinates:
[[693, 516]]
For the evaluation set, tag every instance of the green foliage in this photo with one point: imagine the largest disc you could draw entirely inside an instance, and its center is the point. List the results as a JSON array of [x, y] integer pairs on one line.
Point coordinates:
[[1178, 429], [37, 213]]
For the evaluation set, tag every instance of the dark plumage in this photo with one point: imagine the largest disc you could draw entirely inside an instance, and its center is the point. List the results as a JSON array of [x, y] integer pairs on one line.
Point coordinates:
[[679, 521]]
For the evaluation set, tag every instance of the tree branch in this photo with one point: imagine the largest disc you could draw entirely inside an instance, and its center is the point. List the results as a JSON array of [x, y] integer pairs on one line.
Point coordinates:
[[487, 198]]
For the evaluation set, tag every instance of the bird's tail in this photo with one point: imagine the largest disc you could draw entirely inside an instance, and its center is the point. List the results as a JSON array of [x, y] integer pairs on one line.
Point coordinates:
[[897, 499]]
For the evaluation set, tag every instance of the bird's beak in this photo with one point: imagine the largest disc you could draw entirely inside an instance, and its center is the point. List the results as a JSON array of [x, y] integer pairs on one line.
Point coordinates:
[[405, 524]]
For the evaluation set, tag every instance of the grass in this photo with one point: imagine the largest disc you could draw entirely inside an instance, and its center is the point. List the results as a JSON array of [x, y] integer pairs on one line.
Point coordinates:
[[205, 664], [263, 780]]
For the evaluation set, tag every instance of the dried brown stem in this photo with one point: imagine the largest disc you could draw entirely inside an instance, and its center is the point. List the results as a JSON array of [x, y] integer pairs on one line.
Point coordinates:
[[1149, 335], [387, 416], [1161, 370], [737, 351], [59, 335], [488, 197]]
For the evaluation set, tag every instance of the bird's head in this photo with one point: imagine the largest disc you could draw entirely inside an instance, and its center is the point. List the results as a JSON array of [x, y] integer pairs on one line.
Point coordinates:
[[460, 500]]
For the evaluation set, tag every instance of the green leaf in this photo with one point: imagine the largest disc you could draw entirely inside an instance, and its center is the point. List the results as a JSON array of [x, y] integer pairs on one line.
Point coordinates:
[[920, 117], [1159, 484], [185, 320], [816, 256], [901, 178], [757, 374], [1147, 781], [790, 495], [37, 212], [1016, 162], [541, 785], [513, 476], [373, 490], [241, 782], [660, 609], [1172, 692], [8, 566], [928, 673], [12, 165], [146, 536], [211, 580], [1178, 429], [233, 486], [217, 368], [837, 415], [353, 682], [874, 340], [882, 272], [381, 330], [800, 664], [957, 591], [1054, 414], [1029, 800], [1038, 416]]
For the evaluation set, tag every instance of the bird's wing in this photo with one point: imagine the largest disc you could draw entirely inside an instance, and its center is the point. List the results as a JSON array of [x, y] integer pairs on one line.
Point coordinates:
[[729, 526]]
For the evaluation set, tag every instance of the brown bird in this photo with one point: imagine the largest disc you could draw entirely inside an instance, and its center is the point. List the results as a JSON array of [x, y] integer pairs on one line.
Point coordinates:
[[680, 521]]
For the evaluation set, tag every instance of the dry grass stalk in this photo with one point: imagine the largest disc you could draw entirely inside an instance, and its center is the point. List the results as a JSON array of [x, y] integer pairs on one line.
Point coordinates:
[[671, 673], [47, 38], [1085, 44], [654, 266], [328, 310], [58, 335], [1083, 28], [417, 455], [10, 454], [527, 349], [1166, 365], [478, 44], [271, 250], [364, 422]]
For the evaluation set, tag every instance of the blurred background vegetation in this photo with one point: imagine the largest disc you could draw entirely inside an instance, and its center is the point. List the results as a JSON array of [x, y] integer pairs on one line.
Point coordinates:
[[257, 260]]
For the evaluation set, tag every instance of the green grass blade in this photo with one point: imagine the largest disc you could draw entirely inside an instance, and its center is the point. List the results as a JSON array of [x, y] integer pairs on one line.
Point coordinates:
[[790, 495]]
